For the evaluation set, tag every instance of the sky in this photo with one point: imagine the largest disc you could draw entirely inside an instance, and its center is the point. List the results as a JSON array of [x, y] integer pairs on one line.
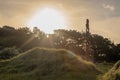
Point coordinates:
[[104, 15]]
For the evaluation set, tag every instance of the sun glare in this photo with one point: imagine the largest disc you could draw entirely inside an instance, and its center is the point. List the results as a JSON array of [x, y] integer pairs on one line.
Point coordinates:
[[48, 20]]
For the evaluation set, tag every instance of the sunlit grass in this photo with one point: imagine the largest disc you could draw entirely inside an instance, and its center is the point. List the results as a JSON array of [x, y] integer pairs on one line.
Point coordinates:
[[47, 64], [113, 73]]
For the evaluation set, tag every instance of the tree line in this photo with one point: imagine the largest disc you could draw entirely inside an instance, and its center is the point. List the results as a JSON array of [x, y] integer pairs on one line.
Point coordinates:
[[24, 39]]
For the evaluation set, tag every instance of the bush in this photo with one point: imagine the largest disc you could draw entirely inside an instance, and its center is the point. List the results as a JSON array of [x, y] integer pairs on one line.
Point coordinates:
[[8, 53]]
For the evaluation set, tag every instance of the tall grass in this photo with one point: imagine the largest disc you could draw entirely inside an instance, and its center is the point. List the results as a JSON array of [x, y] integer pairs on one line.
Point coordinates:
[[47, 64], [114, 73]]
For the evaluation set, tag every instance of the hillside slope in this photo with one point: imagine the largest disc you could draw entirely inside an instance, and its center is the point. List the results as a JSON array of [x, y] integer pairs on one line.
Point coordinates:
[[47, 64]]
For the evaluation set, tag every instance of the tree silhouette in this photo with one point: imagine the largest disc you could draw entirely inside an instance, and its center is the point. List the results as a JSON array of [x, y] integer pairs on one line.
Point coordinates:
[[24, 39]]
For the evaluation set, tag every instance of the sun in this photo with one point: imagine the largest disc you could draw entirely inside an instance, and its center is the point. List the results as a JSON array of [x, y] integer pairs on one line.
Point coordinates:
[[48, 19]]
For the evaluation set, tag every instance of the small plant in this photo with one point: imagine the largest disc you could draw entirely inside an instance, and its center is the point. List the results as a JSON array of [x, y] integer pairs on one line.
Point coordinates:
[[8, 53]]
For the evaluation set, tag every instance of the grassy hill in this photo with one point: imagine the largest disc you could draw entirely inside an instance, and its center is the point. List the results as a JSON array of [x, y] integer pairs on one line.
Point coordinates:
[[47, 64], [114, 73]]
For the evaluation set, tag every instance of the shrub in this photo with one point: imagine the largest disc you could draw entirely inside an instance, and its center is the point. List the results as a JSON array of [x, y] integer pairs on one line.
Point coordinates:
[[8, 53]]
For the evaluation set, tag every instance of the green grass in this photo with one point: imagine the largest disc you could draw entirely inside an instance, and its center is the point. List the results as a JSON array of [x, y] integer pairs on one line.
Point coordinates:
[[113, 73], [103, 67], [47, 64]]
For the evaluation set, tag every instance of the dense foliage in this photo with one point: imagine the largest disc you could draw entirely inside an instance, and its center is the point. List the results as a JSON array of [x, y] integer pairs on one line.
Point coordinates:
[[23, 38], [8, 53]]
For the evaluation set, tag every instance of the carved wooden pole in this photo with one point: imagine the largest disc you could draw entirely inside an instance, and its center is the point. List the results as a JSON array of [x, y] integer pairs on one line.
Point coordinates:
[[88, 42]]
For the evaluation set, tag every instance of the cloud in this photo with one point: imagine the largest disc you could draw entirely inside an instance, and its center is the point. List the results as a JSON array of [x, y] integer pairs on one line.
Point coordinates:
[[18, 12], [110, 7]]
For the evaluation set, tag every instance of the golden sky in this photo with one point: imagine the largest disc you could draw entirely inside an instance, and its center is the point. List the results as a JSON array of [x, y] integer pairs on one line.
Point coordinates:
[[104, 15]]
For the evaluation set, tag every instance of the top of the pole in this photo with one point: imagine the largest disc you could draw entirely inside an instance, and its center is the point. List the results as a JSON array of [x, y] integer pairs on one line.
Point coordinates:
[[87, 26]]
